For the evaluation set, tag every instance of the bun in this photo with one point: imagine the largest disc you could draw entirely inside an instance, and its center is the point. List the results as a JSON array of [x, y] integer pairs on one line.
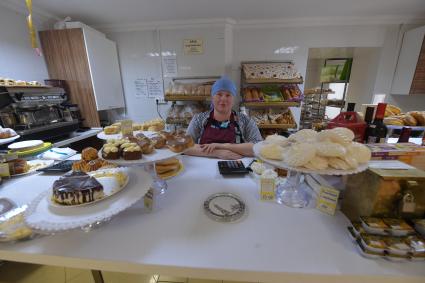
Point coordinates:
[[409, 120], [89, 153], [419, 117]]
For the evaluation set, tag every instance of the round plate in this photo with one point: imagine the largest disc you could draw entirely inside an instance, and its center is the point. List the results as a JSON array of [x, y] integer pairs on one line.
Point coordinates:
[[35, 165], [41, 216], [25, 145], [110, 187], [329, 171], [104, 136], [168, 175], [224, 207], [8, 140]]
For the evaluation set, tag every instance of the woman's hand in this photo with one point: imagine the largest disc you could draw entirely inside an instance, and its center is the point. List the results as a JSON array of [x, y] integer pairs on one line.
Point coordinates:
[[226, 154], [209, 148]]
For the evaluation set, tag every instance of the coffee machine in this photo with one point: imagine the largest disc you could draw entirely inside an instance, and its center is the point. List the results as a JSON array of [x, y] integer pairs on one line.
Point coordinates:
[[36, 112]]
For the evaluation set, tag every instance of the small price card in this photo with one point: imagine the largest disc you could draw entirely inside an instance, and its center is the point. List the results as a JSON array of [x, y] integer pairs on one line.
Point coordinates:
[[327, 200], [267, 189]]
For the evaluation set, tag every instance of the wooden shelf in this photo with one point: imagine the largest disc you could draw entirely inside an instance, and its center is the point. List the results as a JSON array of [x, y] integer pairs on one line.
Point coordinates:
[[173, 97], [277, 126], [274, 81], [271, 104]]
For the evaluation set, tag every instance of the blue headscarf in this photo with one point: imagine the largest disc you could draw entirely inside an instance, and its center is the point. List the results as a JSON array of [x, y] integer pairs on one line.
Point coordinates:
[[224, 83]]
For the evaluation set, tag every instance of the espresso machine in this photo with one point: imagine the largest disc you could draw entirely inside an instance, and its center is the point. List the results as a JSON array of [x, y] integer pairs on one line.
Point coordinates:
[[36, 112]]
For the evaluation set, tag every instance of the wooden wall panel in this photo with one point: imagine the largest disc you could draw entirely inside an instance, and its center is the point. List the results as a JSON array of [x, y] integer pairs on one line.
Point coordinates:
[[418, 82], [66, 59]]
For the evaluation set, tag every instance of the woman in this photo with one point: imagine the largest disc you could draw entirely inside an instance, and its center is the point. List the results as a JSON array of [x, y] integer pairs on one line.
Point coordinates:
[[223, 133]]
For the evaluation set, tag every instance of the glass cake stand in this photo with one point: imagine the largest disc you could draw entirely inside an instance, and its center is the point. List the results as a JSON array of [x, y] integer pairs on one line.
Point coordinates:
[[292, 193]]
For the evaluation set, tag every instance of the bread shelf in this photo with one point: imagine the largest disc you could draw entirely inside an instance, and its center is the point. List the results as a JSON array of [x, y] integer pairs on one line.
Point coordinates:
[[182, 97], [277, 126], [274, 81], [271, 104]]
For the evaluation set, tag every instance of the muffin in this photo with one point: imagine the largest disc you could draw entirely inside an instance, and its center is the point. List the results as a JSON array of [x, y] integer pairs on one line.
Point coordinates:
[[89, 153]]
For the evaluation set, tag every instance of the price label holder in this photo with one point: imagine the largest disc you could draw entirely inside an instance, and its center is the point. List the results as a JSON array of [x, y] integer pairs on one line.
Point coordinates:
[[327, 200], [267, 189]]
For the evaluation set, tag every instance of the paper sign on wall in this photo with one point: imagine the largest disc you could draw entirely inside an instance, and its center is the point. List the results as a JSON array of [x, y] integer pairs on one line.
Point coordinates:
[[169, 66], [193, 46], [141, 88], [155, 88]]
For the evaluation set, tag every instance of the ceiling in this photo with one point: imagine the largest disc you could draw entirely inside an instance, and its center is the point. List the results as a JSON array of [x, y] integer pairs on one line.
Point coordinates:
[[116, 12]]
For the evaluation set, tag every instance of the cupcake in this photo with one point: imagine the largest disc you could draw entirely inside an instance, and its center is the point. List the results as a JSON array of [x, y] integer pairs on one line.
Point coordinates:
[[110, 151]]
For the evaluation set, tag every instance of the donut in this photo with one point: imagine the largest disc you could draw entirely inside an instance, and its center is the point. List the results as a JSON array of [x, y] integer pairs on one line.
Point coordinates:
[[180, 143], [89, 153]]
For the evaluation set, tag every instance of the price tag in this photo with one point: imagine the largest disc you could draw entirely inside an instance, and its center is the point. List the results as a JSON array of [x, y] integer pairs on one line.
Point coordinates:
[[267, 189], [327, 200]]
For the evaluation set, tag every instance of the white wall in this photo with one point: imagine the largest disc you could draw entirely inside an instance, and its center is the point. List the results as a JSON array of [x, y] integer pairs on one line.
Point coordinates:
[[17, 59], [133, 50], [226, 47]]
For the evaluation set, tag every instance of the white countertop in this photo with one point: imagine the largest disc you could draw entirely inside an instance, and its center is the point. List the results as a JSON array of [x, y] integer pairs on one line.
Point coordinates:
[[77, 136], [273, 243]]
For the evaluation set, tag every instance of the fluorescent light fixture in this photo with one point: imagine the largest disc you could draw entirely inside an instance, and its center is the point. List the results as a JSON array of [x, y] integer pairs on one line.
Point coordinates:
[[286, 50], [164, 54]]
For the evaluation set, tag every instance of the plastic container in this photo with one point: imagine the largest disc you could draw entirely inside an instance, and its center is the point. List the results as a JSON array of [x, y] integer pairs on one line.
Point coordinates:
[[374, 225], [352, 121]]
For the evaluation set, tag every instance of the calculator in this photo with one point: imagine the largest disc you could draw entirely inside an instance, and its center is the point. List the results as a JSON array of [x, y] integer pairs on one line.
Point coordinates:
[[63, 166], [232, 167]]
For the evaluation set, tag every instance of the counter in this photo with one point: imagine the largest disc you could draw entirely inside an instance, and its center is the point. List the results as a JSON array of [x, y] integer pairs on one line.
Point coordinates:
[[77, 136], [273, 243]]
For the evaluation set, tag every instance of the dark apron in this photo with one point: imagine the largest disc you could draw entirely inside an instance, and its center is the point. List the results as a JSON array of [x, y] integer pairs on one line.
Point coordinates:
[[216, 132]]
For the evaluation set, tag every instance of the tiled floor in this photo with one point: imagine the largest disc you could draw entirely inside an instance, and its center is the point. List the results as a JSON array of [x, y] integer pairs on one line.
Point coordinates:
[[12, 272]]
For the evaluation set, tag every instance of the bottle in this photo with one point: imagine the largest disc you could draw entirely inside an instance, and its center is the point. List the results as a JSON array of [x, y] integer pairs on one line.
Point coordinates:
[[404, 135], [368, 118], [351, 106], [377, 130]]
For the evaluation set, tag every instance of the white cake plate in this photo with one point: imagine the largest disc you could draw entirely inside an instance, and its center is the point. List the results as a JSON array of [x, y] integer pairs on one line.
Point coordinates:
[[291, 193], [104, 136], [9, 140], [42, 216]]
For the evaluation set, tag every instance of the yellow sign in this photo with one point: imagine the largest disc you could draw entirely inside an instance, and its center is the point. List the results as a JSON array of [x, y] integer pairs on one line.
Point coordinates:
[[327, 200], [267, 190], [193, 46]]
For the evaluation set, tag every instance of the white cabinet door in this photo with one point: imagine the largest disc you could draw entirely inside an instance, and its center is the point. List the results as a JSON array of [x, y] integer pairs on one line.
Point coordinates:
[[407, 61], [104, 70]]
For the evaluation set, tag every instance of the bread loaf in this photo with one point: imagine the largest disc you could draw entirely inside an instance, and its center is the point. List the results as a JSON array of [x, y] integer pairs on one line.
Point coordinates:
[[419, 117], [409, 120]]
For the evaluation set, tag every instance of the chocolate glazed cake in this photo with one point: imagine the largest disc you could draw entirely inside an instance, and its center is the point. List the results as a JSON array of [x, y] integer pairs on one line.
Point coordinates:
[[76, 188]]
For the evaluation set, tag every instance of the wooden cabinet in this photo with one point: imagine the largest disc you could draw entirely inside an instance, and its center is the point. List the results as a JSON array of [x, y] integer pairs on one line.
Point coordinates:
[[409, 76], [88, 61]]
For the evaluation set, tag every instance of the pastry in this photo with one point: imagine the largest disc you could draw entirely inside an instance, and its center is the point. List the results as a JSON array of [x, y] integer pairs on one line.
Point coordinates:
[[172, 164], [277, 139], [337, 135], [180, 143], [330, 149], [93, 165], [34, 83], [137, 127], [158, 141], [110, 151], [155, 128], [76, 188], [419, 117], [359, 151], [79, 165], [5, 134], [131, 151], [20, 83], [393, 121], [304, 135], [18, 166], [111, 130], [272, 151], [89, 153], [338, 163], [299, 154], [351, 161], [317, 163], [409, 120]]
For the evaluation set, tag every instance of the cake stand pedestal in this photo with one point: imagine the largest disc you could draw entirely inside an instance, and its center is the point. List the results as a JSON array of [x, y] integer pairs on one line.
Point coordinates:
[[291, 193]]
